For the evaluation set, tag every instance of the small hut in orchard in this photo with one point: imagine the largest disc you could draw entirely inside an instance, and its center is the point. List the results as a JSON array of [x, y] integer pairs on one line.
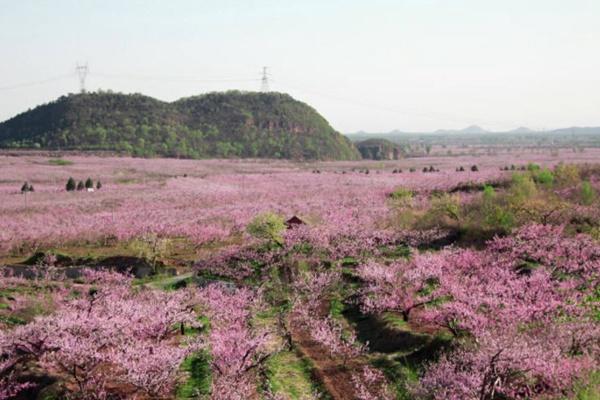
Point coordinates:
[[293, 222]]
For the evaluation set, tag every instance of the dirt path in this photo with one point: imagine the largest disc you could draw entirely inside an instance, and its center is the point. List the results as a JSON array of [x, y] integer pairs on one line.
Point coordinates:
[[335, 378], [331, 372]]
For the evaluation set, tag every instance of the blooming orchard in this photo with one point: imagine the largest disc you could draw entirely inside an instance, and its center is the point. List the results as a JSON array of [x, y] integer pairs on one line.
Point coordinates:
[[143, 196], [110, 330], [377, 253], [524, 329]]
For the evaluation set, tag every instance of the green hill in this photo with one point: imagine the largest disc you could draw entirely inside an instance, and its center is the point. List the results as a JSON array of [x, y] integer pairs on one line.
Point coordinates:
[[229, 124]]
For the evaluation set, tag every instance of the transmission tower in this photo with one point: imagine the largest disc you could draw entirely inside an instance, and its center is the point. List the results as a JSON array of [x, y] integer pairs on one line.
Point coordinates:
[[82, 71], [264, 82]]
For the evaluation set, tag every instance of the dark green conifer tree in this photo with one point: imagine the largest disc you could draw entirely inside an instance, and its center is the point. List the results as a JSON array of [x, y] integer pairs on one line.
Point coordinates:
[[71, 185]]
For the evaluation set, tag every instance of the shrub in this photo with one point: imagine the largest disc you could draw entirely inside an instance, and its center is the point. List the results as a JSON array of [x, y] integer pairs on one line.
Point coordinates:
[[401, 193], [544, 177], [402, 197], [495, 214], [444, 206], [98, 185], [450, 204], [89, 184], [543, 208], [497, 217], [588, 194], [522, 187], [488, 193], [267, 226], [566, 175], [25, 188], [474, 168], [80, 185], [71, 185]]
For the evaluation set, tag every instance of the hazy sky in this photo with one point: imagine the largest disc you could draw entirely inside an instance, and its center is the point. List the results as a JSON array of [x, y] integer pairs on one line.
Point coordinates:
[[370, 65]]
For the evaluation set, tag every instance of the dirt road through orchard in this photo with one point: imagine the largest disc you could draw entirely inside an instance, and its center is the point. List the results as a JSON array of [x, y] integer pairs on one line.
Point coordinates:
[[330, 371]]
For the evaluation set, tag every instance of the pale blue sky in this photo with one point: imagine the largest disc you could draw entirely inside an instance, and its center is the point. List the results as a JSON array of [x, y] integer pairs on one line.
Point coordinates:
[[372, 65]]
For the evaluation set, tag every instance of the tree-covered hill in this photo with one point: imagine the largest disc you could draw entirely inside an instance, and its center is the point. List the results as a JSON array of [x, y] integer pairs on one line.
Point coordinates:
[[229, 124]]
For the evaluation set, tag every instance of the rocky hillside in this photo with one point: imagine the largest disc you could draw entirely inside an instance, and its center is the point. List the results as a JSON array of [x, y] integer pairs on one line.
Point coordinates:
[[380, 149]]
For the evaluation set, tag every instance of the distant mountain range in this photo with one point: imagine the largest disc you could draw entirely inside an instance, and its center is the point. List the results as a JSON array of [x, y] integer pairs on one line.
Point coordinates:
[[469, 129], [522, 129], [474, 130]]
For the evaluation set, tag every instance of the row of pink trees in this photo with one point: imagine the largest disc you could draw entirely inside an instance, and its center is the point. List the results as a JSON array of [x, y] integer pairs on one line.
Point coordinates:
[[237, 349], [518, 310]]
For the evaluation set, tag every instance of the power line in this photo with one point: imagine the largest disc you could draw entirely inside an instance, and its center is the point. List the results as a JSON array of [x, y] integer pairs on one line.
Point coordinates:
[[359, 103], [83, 71], [181, 79], [426, 115], [35, 83]]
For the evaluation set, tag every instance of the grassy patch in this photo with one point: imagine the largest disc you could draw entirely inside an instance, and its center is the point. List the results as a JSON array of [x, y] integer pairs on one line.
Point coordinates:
[[158, 281], [127, 181], [396, 348], [349, 262], [11, 320], [168, 282], [403, 368], [59, 162], [92, 250], [181, 253], [336, 309], [399, 373], [197, 369], [590, 390], [267, 319], [266, 316], [289, 376], [395, 321], [400, 251]]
